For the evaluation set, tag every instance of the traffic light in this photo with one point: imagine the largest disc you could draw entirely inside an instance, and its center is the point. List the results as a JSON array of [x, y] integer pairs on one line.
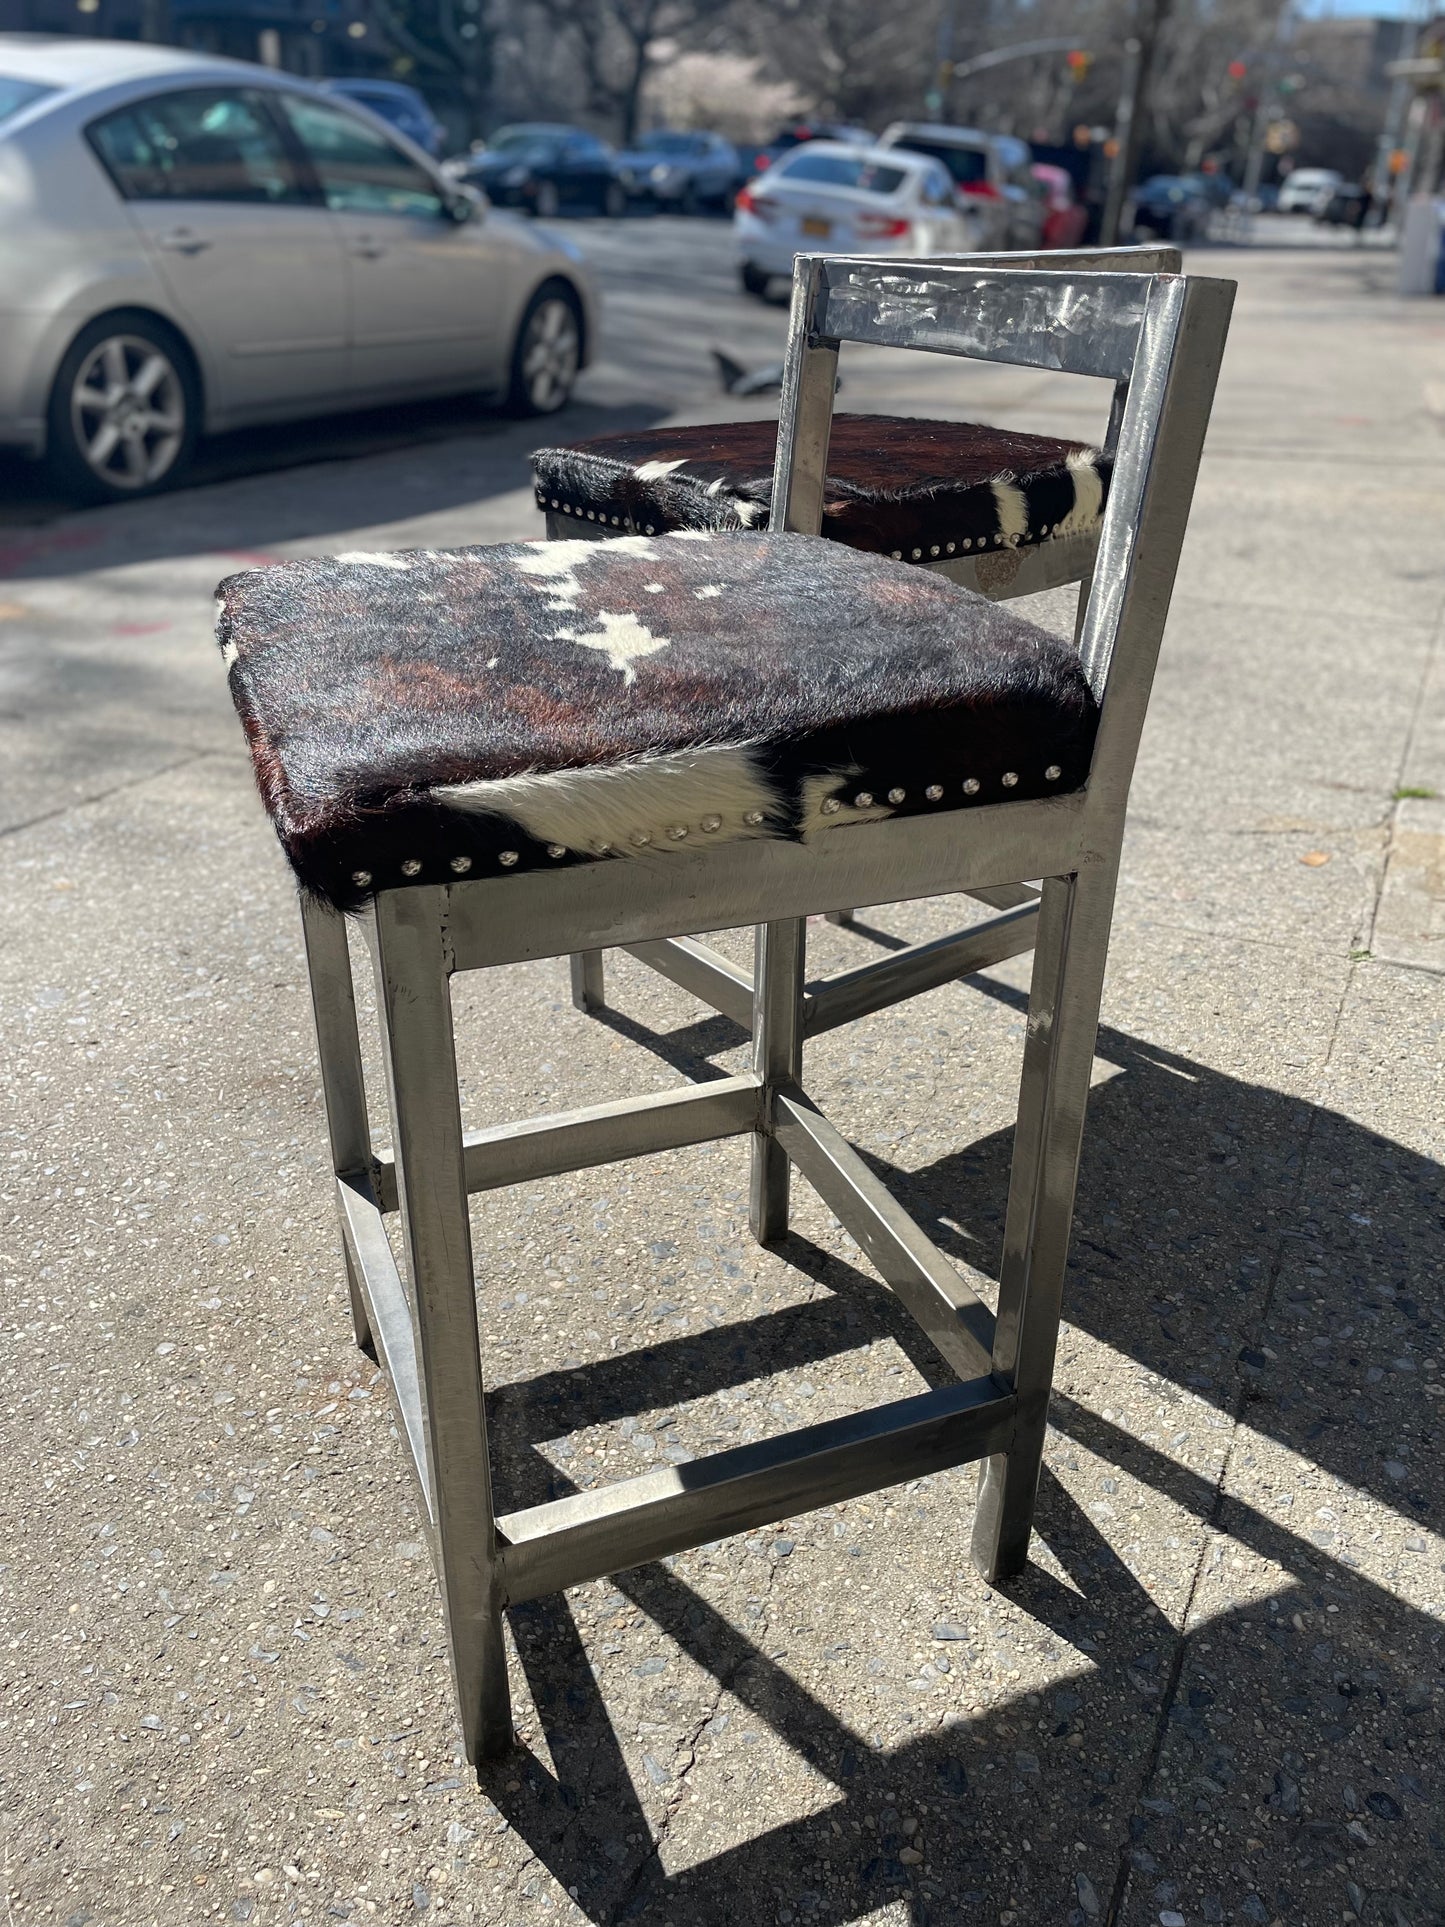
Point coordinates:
[[1237, 69], [1078, 62]]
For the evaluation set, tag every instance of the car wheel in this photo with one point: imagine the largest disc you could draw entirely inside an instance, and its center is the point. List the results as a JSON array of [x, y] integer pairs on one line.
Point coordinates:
[[546, 201], [754, 280], [124, 411], [547, 352], [614, 200]]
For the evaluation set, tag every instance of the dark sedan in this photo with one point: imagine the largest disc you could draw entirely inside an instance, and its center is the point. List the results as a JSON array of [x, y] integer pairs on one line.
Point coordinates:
[[798, 131], [1170, 207], [543, 168], [682, 172]]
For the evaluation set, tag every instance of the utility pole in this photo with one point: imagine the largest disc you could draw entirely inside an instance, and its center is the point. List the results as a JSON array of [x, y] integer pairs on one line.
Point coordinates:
[[1139, 51]]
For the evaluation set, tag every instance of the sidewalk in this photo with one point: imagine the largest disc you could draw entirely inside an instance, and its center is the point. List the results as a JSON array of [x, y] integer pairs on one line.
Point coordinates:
[[1216, 1696]]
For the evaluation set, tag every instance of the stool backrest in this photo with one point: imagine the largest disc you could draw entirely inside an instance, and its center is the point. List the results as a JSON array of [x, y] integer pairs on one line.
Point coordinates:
[[1158, 336]]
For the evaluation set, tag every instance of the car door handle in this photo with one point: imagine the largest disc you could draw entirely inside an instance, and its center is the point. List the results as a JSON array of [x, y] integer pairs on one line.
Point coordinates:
[[182, 241]]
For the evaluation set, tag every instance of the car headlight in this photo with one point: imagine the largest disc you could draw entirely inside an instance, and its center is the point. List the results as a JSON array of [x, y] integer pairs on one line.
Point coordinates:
[[514, 177], [661, 173]]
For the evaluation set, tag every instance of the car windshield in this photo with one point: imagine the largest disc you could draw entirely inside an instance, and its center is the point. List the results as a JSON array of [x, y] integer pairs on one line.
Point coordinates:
[[18, 94], [968, 166], [843, 170]]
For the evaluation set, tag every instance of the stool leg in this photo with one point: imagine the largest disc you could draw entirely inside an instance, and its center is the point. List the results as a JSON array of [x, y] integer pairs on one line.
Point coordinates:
[[414, 1001], [333, 1003], [1072, 946], [586, 969], [779, 950]]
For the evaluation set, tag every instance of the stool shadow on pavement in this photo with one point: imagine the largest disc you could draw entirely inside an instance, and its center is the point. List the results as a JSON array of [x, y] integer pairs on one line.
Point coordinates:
[[1274, 1763]]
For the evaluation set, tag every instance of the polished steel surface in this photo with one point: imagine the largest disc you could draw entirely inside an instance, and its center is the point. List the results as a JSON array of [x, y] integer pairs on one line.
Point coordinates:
[[427, 1334], [612, 1527]]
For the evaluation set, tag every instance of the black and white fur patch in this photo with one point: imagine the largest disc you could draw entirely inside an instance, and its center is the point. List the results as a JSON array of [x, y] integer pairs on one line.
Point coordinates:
[[435, 715], [913, 490]]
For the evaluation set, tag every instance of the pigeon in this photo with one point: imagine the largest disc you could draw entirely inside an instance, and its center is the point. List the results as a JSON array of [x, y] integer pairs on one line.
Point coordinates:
[[737, 380]]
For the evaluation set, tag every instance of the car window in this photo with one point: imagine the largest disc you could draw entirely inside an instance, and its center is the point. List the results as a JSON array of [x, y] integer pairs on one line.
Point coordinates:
[[937, 188], [967, 166], [585, 147], [17, 94], [359, 170], [208, 144], [843, 170]]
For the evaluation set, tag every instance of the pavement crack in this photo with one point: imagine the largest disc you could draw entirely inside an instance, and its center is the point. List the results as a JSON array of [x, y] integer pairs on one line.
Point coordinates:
[[101, 796], [1211, 1520]]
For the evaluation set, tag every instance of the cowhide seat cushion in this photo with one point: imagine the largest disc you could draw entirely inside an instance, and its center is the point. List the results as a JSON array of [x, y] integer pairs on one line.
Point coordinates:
[[918, 491], [442, 714]]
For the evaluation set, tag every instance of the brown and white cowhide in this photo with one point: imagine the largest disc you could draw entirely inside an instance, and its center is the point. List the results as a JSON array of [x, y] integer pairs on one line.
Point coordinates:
[[909, 489], [438, 714]]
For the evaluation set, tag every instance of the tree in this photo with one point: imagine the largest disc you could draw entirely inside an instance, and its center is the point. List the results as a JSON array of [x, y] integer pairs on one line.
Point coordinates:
[[854, 59], [613, 41], [447, 43]]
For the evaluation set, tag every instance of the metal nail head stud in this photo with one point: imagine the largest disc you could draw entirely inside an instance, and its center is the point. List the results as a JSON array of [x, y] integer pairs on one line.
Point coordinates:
[[1010, 777], [1052, 773], [556, 851], [753, 816], [506, 858], [970, 786], [934, 792], [362, 879], [830, 806], [896, 796], [677, 832], [411, 867], [712, 822], [461, 864], [863, 800]]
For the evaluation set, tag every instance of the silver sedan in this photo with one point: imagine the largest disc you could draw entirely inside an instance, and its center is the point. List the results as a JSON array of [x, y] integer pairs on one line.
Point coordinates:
[[193, 244]]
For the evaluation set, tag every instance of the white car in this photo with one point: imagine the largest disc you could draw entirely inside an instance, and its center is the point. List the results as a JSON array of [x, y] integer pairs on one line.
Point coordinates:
[[1304, 188], [192, 243], [829, 198]]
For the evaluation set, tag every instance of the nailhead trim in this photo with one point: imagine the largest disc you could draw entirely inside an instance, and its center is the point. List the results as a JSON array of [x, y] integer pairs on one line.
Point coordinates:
[[461, 864], [934, 792], [1052, 773], [1010, 777], [830, 805], [361, 878], [754, 817], [896, 796], [411, 867], [712, 822], [970, 786], [556, 851], [506, 858], [863, 800]]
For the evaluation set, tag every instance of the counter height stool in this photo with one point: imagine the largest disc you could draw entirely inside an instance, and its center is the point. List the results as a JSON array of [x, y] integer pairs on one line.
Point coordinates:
[[496, 754], [1005, 513]]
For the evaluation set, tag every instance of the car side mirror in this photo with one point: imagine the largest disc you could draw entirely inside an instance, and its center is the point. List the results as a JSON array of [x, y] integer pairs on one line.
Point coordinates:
[[463, 204]]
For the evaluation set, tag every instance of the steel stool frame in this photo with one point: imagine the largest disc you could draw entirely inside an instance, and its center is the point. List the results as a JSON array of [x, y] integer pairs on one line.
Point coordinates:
[[1161, 338], [1001, 576]]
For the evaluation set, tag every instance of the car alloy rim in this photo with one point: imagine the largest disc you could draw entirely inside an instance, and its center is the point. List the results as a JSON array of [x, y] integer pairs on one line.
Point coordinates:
[[550, 354], [128, 411]]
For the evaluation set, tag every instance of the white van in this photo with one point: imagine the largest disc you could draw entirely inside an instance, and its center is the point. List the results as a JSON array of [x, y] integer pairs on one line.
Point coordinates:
[[1306, 188]]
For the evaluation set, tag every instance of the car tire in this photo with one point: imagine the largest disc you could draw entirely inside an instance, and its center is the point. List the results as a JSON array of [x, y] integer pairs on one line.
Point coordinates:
[[547, 352], [125, 409], [614, 200], [546, 201], [754, 280]]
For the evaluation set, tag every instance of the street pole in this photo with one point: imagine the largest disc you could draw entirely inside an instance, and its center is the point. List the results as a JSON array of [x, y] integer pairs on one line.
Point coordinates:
[[1126, 143]]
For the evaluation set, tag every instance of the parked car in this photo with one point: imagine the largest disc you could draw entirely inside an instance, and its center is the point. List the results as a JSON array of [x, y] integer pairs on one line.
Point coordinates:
[[1169, 207], [1347, 205], [543, 168], [1302, 187], [992, 176], [1065, 216], [682, 172], [1216, 187], [799, 132], [194, 244], [828, 198], [400, 106]]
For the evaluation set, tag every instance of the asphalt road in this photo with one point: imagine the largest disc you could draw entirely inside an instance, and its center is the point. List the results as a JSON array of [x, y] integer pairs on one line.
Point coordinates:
[[1215, 1696]]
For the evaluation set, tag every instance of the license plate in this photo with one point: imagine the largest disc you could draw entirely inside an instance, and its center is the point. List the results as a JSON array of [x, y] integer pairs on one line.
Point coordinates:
[[812, 224]]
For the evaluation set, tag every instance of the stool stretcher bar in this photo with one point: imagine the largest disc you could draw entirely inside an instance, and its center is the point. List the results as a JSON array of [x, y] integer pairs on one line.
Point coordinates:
[[632, 1127], [388, 1312], [953, 1318], [590, 1534]]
